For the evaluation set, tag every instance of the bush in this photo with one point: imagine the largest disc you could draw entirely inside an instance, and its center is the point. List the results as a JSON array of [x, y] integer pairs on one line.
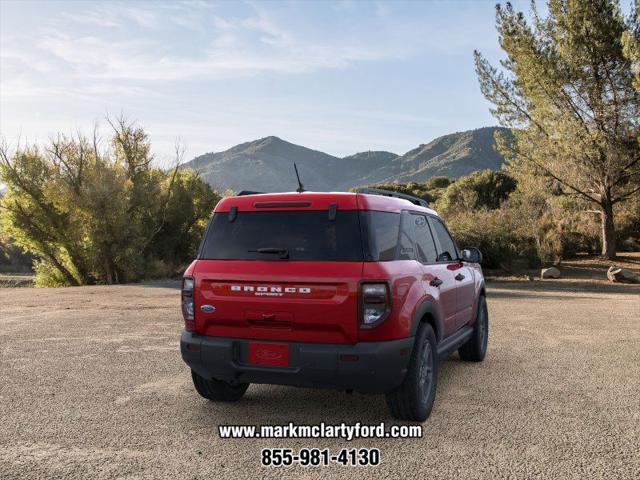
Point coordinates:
[[102, 217], [435, 183], [493, 232], [47, 276], [481, 189]]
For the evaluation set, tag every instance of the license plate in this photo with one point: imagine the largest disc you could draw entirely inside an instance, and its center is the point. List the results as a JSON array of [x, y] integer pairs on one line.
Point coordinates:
[[271, 354]]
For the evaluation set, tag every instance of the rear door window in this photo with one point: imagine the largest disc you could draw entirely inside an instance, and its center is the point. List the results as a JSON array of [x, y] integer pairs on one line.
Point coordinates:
[[305, 235], [447, 250], [425, 244], [407, 241]]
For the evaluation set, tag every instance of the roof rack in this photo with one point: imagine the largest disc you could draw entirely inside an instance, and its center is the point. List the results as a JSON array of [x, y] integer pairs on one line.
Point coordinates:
[[391, 193], [247, 192]]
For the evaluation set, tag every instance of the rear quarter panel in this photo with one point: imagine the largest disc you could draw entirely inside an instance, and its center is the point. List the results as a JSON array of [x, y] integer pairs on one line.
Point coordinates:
[[407, 293]]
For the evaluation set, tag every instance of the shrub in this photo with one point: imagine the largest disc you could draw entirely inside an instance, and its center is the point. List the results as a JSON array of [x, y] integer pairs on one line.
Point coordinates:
[[494, 233], [93, 216], [435, 183], [482, 189]]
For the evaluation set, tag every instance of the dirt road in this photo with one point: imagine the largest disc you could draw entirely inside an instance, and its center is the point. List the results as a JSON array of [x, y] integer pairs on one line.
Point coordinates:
[[92, 386]]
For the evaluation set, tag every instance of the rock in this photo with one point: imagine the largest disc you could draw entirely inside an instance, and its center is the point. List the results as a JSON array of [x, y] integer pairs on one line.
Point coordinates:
[[551, 272], [631, 245], [622, 275]]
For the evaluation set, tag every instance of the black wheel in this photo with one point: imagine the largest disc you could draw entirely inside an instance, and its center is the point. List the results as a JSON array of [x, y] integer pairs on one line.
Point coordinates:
[[413, 399], [218, 390], [476, 347]]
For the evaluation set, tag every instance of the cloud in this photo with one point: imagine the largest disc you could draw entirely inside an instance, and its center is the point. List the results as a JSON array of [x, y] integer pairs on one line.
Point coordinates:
[[99, 17], [122, 41], [142, 17], [233, 46], [110, 16], [177, 63]]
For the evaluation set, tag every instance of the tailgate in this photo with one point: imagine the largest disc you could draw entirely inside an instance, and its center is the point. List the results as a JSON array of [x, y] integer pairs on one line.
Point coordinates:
[[281, 301]]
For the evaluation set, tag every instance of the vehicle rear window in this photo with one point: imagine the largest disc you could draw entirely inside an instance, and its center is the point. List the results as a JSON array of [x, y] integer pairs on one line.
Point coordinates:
[[305, 235]]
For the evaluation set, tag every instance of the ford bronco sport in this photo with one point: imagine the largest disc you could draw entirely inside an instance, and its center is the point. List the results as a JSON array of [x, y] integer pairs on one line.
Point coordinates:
[[361, 291]]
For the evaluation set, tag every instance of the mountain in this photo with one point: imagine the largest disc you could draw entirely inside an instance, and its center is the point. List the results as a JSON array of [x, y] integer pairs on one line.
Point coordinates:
[[362, 166], [267, 164], [370, 159], [453, 156]]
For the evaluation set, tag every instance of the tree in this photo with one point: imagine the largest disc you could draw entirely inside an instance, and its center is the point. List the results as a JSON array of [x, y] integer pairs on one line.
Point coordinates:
[[631, 41], [481, 189], [566, 89], [101, 216]]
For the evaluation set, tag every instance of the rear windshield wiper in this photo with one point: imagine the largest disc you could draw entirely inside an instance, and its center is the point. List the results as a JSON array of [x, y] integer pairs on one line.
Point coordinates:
[[283, 252]]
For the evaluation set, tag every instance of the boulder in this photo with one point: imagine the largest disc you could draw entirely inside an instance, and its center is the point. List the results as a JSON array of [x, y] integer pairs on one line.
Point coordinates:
[[622, 275], [551, 272], [631, 245]]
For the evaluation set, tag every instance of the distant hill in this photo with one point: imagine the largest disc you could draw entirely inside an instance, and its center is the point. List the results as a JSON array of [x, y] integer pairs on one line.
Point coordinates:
[[267, 164], [453, 156]]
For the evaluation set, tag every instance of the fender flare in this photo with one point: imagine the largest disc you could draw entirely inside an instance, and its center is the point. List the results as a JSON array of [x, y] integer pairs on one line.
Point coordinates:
[[480, 291], [427, 307]]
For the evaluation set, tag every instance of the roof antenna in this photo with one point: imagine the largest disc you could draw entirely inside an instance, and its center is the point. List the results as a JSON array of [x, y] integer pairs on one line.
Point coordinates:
[[300, 188]]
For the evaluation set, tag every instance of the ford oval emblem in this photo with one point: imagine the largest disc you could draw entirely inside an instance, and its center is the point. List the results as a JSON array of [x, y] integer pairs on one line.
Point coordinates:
[[207, 308]]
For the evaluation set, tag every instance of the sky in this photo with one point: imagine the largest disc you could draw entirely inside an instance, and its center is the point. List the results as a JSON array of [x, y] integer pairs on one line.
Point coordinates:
[[340, 77]]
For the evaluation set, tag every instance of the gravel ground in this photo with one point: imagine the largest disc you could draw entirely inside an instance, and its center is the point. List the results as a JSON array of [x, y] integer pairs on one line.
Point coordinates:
[[92, 386]]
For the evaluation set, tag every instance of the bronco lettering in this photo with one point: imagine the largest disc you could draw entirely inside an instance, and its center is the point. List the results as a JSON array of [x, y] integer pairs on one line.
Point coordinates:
[[262, 289]]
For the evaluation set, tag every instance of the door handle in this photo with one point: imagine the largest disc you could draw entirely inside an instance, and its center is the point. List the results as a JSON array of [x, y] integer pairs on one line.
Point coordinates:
[[436, 282], [459, 277]]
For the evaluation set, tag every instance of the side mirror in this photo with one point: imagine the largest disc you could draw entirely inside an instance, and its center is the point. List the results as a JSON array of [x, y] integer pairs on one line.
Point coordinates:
[[471, 255], [444, 257]]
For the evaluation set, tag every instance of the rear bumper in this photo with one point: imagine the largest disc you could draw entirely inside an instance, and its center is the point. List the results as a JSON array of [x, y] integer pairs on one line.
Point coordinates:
[[379, 367]]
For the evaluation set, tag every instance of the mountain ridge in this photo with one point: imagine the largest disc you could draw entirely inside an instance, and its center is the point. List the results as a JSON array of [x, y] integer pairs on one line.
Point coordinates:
[[266, 164]]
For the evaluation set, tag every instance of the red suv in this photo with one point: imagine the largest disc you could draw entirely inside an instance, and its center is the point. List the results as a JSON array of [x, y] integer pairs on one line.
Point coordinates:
[[361, 291]]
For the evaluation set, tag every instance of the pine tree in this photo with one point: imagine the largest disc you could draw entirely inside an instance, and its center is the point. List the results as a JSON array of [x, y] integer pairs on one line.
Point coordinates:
[[566, 89]]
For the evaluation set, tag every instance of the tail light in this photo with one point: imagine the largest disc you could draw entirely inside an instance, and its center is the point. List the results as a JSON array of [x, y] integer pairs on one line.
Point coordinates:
[[375, 304], [187, 303]]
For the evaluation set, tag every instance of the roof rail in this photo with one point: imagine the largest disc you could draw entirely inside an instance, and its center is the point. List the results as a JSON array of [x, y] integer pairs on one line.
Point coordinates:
[[247, 192], [390, 193]]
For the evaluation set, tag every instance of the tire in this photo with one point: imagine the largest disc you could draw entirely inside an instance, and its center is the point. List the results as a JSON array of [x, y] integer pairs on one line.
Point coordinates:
[[475, 349], [217, 390], [413, 399]]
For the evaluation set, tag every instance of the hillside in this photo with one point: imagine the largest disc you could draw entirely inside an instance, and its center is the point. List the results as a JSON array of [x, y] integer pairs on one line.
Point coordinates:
[[452, 156], [267, 164]]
